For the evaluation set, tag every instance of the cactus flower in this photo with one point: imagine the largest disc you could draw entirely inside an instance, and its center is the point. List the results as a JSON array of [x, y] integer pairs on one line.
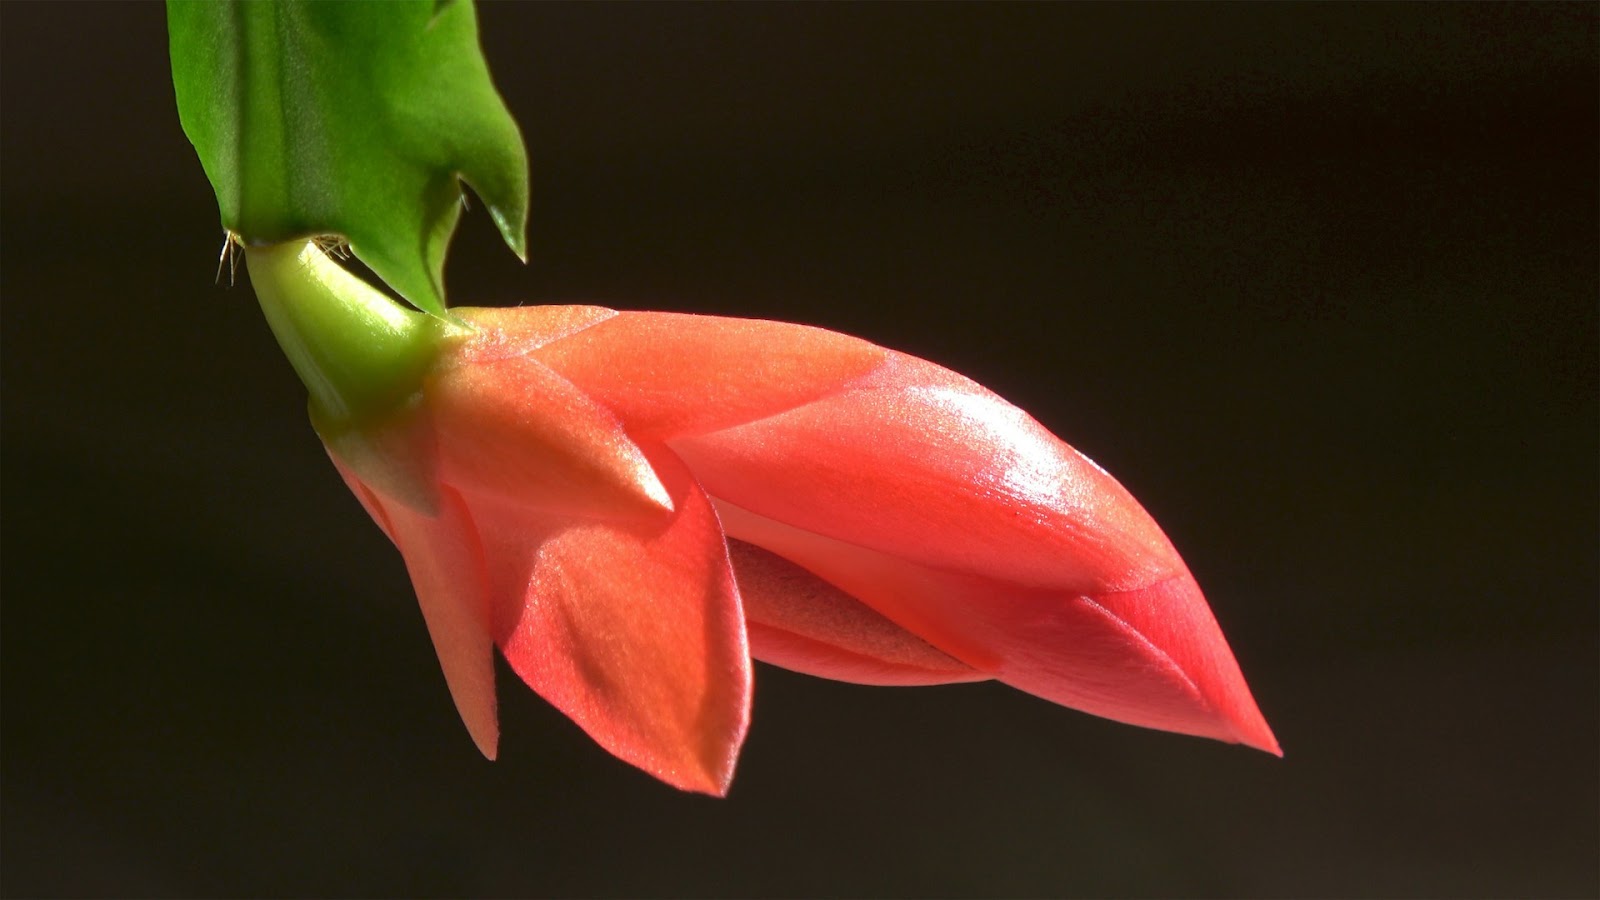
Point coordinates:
[[631, 506]]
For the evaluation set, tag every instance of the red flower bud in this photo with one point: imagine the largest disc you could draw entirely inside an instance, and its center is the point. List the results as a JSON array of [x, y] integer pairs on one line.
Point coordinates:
[[631, 505]]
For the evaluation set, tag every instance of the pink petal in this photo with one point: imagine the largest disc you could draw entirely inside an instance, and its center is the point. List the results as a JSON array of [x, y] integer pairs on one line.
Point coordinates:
[[800, 622], [1153, 656], [920, 463], [631, 627], [666, 374], [446, 564]]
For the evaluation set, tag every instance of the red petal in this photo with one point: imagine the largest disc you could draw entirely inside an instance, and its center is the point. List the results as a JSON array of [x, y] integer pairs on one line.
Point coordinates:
[[514, 429], [667, 374], [520, 330], [1152, 657], [632, 628], [920, 463], [446, 564], [800, 622]]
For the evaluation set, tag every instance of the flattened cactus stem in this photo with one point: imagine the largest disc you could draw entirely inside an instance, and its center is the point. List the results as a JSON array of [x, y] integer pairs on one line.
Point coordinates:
[[360, 354]]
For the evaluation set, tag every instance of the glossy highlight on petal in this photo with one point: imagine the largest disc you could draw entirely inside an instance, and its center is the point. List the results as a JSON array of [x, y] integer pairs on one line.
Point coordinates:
[[956, 477]]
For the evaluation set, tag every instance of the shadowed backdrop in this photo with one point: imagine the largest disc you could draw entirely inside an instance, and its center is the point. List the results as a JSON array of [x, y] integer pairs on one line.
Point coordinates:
[[1318, 283]]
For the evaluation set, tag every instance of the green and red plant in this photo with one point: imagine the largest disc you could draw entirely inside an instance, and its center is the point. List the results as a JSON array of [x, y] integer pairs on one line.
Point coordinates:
[[631, 505]]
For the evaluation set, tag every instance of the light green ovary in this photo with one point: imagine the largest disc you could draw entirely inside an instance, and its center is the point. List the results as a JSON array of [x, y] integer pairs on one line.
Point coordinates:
[[359, 353]]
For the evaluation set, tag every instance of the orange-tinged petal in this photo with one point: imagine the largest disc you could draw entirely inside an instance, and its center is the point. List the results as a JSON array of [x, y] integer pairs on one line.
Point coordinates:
[[895, 523], [667, 375], [501, 333], [513, 429], [631, 627], [922, 464], [1153, 656], [445, 560], [800, 622]]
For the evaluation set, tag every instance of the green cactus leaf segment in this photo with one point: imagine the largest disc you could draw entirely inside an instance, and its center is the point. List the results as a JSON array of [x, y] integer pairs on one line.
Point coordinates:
[[355, 118]]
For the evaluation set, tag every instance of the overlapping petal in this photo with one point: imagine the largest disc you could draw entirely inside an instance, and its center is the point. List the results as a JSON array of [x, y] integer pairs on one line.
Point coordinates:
[[1153, 656], [631, 627], [943, 509], [596, 564], [631, 505], [445, 561], [668, 375], [958, 479], [801, 622], [513, 429]]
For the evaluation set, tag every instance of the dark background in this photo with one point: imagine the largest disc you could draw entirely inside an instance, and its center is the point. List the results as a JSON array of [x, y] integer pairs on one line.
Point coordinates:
[[1318, 283]]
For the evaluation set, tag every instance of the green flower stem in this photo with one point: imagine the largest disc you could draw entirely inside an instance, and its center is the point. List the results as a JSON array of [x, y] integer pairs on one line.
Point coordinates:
[[361, 355]]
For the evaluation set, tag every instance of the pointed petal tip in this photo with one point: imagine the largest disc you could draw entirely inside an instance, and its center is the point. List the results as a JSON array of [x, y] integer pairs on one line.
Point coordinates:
[[1170, 625], [1249, 728], [712, 784], [483, 726], [720, 780], [691, 771], [692, 776], [656, 492], [705, 766], [646, 652], [715, 764], [1262, 739]]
